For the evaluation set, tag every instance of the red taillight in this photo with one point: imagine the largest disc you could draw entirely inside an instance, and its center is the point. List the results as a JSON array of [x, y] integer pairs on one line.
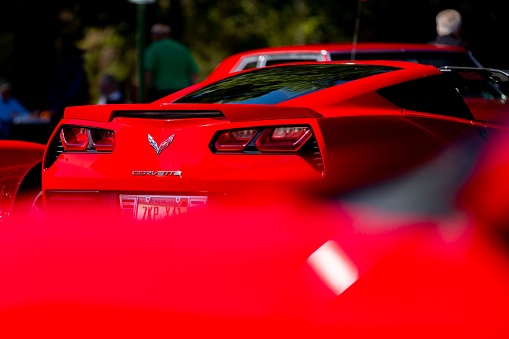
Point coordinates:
[[283, 139], [263, 139], [103, 140], [234, 140], [76, 138]]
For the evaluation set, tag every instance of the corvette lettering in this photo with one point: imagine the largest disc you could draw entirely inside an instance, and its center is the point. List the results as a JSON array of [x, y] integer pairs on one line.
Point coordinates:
[[158, 173]]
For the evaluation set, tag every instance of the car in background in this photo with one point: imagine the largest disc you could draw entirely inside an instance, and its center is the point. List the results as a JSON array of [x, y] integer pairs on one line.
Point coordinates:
[[486, 99], [429, 54], [20, 177], [324, 127]]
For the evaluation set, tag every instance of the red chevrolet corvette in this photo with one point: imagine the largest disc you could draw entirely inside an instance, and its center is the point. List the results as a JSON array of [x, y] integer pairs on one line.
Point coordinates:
[[324, 126]]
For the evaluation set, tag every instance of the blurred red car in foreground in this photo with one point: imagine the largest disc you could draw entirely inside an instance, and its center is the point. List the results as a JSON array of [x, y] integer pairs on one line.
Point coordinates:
[[276, 264], [20, 177]]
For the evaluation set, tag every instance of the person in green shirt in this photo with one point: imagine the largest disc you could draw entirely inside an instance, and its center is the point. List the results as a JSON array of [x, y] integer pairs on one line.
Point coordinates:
[[168, 65]]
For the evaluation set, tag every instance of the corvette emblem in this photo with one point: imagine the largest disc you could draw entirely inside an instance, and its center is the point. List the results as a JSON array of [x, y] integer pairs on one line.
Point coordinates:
[[162, 146]]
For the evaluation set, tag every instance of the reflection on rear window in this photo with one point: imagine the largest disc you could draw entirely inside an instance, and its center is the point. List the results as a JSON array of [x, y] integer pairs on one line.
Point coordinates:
[[278, 84]]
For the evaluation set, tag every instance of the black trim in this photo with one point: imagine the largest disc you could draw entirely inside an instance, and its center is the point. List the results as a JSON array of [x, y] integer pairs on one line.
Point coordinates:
[[155, 114], [55, 148]]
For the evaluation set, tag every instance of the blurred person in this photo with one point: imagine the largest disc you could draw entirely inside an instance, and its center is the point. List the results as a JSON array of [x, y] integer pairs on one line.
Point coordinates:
[[169, 65], [10, 108], [71, 86], [448, 27], [109, 90]]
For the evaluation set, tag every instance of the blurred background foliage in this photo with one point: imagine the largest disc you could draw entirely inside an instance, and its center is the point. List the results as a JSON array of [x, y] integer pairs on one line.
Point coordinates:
[[109, 50], [32, 32]]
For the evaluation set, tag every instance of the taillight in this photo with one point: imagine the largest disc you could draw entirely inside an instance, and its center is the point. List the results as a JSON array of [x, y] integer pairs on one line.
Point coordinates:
[[76, 138], [263, 139], [235, 140], [283, 139], [103, 140]]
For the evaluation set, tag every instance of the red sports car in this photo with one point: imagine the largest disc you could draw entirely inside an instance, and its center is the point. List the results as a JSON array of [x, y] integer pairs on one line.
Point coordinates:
[[20, 177], [324, 126], [436, 55]]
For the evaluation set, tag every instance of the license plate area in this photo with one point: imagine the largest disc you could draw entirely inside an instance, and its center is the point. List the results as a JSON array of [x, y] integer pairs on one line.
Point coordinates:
[[159, 207]]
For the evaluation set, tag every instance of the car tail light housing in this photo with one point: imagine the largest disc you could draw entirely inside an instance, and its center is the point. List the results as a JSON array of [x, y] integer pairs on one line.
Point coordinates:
[[283, 139], [83, 139], [103, 140], [262, 139], [235, 140], [74, 138]]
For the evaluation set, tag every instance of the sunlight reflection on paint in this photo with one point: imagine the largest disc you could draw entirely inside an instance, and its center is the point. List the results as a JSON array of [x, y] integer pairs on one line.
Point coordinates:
[[334, 267]]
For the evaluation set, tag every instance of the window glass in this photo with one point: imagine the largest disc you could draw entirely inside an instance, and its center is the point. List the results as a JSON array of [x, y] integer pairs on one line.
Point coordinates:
[[273, 85]]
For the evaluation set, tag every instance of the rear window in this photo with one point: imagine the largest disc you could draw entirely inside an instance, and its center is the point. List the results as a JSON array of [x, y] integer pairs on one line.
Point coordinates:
[[274, 85], [436, 58]]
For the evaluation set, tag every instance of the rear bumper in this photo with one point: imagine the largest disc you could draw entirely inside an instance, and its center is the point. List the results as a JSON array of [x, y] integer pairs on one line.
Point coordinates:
[[127, 206]]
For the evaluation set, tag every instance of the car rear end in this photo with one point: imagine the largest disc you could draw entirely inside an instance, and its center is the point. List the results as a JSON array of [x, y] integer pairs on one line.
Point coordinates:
[[151, 164]]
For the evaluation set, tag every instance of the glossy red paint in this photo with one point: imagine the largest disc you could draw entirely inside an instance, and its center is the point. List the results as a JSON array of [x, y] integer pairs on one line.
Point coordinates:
[[486, 194], [271, 265], [489, 109], [17, 158]]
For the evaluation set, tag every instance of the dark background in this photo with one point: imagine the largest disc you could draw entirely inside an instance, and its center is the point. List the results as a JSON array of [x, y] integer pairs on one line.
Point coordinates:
[[36, 27]]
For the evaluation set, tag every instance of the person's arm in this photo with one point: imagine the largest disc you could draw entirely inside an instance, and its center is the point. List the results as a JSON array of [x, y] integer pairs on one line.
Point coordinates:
[[19, 109]]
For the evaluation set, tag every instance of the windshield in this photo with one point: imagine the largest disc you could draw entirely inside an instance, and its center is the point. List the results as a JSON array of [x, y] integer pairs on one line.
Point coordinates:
[[273, 85]]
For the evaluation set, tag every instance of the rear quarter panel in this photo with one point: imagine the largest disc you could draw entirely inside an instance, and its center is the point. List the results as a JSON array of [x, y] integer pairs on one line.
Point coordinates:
[[364, 149]]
